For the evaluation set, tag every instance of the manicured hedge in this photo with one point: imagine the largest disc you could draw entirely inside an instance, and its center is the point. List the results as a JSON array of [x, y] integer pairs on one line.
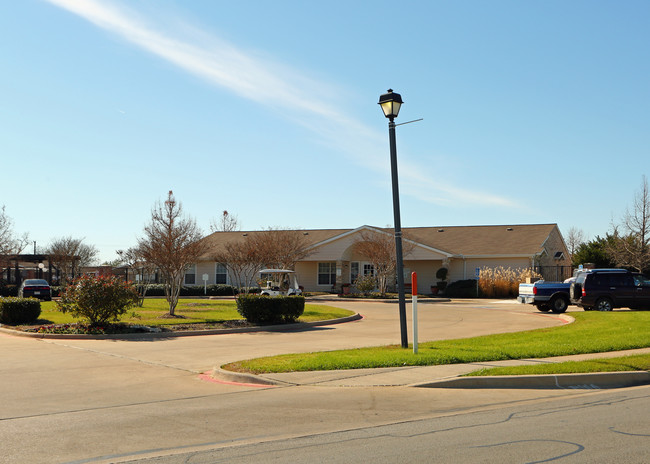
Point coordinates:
[[15, 311], [461, 289], [263, 309], [8, 290], [194, 290]]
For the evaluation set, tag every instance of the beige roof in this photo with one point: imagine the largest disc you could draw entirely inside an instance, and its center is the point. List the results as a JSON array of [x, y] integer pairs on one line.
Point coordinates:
[[217, 239], [501, 240], [483, 240]]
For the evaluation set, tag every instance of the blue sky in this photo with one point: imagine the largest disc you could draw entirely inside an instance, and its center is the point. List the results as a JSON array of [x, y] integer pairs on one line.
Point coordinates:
[[534, 112]]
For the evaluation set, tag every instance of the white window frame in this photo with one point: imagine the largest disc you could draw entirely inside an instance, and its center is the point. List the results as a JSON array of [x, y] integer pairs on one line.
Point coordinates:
[[217, 268], [357, 265], [331, 273]]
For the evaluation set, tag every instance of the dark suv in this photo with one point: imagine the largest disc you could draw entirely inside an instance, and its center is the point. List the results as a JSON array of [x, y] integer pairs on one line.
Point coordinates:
[[606, 289]]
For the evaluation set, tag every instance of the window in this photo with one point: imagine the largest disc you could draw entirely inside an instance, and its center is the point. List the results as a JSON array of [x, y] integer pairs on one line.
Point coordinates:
[[190, 275], [326, 273], [354, 271], [221, 274]]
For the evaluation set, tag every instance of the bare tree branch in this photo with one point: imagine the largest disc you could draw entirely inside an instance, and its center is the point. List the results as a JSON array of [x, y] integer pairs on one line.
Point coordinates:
[[69, 255], [227, 223], [379, 248], [574, 238], [630, 246], [10, 244], [171, 242]]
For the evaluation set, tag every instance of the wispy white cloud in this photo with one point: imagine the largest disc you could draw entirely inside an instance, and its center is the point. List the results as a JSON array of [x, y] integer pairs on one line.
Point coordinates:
[[268, 83], [215, 60]]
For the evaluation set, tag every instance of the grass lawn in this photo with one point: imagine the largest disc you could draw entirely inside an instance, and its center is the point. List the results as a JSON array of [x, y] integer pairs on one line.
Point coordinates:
[[190, 311], [590, 333], [639, 362]]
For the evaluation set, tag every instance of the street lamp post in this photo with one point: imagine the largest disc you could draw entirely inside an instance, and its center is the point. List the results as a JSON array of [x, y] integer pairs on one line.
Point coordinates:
[[390, 104]]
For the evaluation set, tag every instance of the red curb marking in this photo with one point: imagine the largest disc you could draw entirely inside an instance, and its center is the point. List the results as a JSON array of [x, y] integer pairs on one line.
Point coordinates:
[[554, 317], [208, 378]]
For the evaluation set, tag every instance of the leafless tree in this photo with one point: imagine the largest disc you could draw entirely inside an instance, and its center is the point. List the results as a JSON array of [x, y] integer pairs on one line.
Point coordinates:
[[242, 261], [10, 244], [226, 223], [272, 248], [69, 255], [143, 270], [171, 242], [281, 248], [574, 238], [379, 248], [631, 244]]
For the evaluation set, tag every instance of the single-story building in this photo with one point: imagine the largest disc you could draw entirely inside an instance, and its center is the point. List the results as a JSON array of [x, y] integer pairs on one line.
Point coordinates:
[[334, 259], [16, 268]]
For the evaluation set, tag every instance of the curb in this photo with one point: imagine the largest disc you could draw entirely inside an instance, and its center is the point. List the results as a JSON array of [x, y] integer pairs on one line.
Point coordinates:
[[594, 381], [185, 333], [240, 377]]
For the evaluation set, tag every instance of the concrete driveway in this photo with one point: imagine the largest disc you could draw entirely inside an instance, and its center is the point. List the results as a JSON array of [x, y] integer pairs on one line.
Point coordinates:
[[437, 320], [111, 400]]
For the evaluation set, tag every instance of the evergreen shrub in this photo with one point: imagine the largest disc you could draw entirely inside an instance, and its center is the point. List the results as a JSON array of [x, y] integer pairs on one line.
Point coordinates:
[[194, 290], [15, 311], [264, 309], [8, 289], [461, 289]]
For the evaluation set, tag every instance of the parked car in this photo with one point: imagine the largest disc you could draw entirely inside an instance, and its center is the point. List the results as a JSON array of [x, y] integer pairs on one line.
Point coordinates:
[[545, 296], [37, 288], [606, 289]]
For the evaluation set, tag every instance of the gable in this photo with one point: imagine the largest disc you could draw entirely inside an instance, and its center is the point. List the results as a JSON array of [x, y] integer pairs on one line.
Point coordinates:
[[429, 242], [342, 247]]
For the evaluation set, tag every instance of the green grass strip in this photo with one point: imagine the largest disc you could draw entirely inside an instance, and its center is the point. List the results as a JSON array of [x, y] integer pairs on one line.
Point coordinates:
[[191, 311], [620, 364], [592, 332]]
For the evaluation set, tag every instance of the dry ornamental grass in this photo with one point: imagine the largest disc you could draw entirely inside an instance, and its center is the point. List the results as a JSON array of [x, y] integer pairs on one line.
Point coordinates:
[[502, 282]]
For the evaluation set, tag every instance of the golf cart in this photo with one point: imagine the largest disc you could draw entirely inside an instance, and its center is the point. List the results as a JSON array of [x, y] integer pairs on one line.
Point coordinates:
[[276, 282]]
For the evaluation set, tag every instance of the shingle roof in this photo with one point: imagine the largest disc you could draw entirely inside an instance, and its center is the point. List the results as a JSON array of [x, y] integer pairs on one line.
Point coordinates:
[[501, 240], [519, 239]]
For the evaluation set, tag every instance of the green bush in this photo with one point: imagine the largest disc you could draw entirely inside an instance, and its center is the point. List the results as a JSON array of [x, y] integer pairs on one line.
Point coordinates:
[[263, 309], [8, 290], [98, 300], [461, 289], [366, 284], [19, 310], [56, 290], [194, 290]]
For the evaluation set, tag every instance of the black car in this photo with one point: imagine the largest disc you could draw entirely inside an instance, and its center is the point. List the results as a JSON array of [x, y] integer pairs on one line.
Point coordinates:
[[37, 288], [606, 289]]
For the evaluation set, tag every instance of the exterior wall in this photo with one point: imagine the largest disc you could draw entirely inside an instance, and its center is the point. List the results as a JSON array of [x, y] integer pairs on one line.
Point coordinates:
[[460, 269], [421, 259], [554, 244], [553, 269], [426, 271], [205, 267], [307, 275]]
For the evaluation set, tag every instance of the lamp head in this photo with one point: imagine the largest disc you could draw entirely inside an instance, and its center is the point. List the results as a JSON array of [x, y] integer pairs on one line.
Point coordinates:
[[390, 104]]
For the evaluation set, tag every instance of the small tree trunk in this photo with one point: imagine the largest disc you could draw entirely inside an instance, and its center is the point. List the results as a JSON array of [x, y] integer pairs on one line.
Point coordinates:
[[172, 290]]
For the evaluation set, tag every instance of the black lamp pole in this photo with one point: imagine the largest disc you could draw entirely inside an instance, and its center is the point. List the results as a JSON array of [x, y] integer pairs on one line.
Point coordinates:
[[390, 104]]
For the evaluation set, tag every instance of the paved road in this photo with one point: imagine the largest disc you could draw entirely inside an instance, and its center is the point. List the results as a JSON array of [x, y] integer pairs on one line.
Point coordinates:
[[112, 401], [380, 326], [604, 427]]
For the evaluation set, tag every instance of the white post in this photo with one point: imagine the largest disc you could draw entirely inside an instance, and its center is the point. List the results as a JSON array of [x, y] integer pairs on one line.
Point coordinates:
[[414, 297]]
